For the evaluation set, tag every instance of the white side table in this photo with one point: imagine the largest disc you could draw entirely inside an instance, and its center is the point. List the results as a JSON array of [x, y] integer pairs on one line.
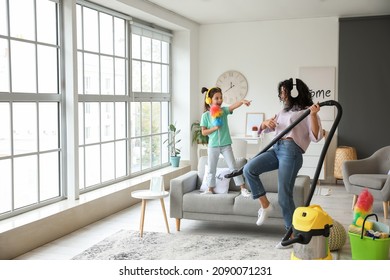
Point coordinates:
[[146, 195]]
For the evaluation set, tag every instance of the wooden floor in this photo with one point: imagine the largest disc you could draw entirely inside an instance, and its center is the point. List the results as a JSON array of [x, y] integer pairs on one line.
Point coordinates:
[[332, 198]]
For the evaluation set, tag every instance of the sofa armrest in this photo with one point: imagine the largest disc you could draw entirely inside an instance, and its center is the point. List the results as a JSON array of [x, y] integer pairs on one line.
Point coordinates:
[[301, 190], [178, 187]]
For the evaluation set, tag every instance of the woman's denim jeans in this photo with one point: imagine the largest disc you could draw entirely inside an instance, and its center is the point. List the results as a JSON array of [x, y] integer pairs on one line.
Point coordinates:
[[286, 156]]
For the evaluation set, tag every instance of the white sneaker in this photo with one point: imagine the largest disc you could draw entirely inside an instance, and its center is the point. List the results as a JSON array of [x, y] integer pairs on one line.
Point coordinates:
[[207, 192], [245, 193], [280, 246], [263, 214]]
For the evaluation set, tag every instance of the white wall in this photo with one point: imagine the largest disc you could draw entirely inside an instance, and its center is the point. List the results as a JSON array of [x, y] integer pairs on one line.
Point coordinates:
[[185, 80], [266, 52]]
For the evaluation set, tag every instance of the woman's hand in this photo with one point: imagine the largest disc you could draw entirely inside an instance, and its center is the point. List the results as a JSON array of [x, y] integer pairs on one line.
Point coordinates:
[[270, 123], [314, 109]]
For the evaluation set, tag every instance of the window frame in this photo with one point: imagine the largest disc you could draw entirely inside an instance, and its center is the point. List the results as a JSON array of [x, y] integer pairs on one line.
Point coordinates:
[[131, 98], [35, 98]]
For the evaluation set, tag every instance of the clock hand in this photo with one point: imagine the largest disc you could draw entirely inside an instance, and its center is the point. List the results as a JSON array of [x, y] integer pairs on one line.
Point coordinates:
[[231, 86]]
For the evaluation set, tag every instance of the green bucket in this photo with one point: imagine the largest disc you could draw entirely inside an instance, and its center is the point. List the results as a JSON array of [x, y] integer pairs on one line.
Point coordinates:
[[367, 248]]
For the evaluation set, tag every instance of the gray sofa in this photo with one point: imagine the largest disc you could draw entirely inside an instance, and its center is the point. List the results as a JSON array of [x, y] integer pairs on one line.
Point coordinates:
[[186, 201]]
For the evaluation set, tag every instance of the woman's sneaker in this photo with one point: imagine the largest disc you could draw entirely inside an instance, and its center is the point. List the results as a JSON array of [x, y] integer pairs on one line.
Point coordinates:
[[245, 193], [280, 246], [263, 214]]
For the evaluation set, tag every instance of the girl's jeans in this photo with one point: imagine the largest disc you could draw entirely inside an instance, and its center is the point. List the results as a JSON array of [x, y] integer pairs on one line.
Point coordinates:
[[286, 156], [213, 156]]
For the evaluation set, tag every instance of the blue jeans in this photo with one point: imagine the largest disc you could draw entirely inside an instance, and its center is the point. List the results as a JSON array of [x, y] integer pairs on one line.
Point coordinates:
[[286, 156]]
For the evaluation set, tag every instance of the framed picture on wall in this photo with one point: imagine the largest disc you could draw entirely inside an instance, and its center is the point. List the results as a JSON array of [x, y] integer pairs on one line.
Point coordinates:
[[253, 119]]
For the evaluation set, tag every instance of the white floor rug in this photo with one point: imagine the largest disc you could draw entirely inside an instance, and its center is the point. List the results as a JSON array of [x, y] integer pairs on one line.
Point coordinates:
[[128, 245]]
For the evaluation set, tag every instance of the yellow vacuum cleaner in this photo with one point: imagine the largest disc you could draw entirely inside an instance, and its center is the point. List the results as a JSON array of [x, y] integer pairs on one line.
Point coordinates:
[[311, 230]]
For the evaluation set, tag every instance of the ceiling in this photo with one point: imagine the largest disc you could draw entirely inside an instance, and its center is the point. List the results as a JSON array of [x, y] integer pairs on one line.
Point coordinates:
[[225, 11]]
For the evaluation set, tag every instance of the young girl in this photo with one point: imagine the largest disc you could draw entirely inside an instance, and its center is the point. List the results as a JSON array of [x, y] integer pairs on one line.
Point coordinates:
[[214, 124], [286, 154]]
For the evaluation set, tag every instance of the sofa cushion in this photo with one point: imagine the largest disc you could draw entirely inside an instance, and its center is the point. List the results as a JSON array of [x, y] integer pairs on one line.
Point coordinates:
[[202, 162], [210, 203], [270, 181], [221, 183], [371, 181], [250, 207]]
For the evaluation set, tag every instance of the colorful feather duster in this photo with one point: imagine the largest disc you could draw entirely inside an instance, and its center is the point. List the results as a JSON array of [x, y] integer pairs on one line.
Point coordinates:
[[362, 208], [216, 113]]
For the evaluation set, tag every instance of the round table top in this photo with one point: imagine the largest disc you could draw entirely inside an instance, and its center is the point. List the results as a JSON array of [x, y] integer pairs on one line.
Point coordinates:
[[148, 194]]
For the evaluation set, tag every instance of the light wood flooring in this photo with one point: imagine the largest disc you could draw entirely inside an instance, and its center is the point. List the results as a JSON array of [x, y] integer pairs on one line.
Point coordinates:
[[332, 198]]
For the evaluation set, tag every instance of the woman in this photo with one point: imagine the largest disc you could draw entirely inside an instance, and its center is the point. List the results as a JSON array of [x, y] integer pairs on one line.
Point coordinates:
[[286, 154]]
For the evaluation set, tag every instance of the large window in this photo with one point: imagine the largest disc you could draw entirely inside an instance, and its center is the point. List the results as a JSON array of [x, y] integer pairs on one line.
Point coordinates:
[[122, 113], [151, 91], [30, 146], [102, 88]]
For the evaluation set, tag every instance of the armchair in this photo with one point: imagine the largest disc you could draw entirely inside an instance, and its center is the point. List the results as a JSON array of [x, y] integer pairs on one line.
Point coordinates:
[[371, 173]]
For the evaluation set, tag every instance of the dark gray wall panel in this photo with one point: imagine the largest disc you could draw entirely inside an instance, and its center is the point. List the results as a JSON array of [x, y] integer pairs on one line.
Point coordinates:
[[364, 83]]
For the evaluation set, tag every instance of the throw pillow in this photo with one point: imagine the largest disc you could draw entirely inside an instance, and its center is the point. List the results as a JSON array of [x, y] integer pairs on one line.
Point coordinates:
[[221, 183], [388, 173]]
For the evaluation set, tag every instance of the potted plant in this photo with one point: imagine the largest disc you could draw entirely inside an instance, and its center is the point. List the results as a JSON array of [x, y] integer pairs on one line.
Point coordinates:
[[254, 131], [197, 136], [172, 140]]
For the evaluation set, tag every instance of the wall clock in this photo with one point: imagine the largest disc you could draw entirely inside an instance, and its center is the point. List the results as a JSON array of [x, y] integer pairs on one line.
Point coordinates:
[[234, 86]]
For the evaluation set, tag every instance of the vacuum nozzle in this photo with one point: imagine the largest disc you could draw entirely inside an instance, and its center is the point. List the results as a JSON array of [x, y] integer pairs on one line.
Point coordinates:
[[234, 173]]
